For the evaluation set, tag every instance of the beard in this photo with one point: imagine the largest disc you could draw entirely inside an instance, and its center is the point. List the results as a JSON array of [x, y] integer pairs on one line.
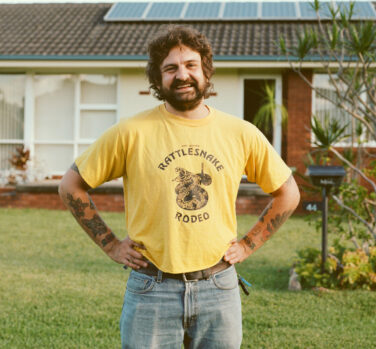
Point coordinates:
[[185, 101]]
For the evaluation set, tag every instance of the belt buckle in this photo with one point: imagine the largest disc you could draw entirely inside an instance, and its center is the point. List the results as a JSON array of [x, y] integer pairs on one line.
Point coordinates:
[[186, 280]]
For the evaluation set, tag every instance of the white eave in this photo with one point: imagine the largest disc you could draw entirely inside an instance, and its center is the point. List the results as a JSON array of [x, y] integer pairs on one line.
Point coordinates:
[[113, 63]]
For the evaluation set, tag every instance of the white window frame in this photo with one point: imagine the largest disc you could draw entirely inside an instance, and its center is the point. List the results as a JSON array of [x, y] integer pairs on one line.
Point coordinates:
[[370, 144], [29, 116], [277, 127], [16, 141]]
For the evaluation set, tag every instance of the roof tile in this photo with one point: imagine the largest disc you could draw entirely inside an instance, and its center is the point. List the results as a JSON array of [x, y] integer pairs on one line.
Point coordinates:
[[79, 29]]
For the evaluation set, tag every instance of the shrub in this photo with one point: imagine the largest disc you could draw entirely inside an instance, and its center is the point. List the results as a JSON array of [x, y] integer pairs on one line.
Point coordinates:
[[344, 269]]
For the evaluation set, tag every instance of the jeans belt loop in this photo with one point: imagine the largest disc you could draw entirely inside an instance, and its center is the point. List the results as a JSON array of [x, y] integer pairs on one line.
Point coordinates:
[[186, 280], [206, 274], [159, 276]]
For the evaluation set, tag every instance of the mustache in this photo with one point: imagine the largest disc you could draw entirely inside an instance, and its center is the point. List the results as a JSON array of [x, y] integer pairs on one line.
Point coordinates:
[[177, 82]]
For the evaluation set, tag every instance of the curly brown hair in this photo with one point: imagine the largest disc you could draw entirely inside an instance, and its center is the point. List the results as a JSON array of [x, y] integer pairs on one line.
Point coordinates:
[[160, 46]]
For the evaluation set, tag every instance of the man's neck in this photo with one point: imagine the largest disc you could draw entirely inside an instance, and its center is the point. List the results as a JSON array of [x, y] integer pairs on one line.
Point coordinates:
[[197, 113]]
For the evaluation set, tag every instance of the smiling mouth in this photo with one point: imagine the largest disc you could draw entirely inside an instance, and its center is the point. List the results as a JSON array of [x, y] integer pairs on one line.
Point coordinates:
[[184, 86]]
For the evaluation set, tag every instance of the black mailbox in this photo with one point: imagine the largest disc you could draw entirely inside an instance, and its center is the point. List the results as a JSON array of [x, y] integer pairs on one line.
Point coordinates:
[[326, 176]]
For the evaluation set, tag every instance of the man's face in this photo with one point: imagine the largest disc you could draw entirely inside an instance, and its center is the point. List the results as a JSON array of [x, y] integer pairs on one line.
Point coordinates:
[[183, 82]]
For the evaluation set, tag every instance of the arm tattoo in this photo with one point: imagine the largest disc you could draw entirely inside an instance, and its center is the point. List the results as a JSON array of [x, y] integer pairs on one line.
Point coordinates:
[[265, 212], [267, 208], [249, 242], [95, 225], [107, 239], [272, 225], [77, 205], [92, 205], [276, 222], [75, 168]]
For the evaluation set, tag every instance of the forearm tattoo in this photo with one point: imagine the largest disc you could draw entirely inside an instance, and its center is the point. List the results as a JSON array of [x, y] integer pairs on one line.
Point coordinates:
[[276, 222], [249, 242], [265, 212], [92, 205], [272, 225], [94, 225], [259, 235], [77, 206], [107, 239]]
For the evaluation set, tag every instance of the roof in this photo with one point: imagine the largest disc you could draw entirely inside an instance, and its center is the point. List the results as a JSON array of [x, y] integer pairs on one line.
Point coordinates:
[[71, 30]]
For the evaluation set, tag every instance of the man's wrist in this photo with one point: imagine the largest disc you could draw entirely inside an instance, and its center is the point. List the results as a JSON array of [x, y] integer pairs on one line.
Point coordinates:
[[108, 242], [248, 244]]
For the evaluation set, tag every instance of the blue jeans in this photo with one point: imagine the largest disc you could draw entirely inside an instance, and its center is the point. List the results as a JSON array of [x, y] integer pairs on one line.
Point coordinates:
[[166, 313]]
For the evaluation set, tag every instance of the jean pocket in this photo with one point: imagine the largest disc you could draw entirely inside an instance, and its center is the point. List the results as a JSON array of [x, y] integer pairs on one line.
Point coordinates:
[[140, 283], [226, 279]]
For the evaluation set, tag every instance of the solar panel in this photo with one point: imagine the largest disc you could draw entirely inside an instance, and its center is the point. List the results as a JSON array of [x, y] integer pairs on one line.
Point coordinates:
[[240, 10], [202, 10], [126, 10], [167, 10], [361, 9], [307, 11], [234, 11], [278, 10]]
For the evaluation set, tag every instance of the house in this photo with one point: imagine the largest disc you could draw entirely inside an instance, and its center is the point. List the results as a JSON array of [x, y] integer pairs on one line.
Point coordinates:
[[68, 71]]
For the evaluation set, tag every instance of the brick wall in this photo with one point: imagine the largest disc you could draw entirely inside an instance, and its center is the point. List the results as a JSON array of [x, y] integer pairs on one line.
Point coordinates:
[[298, 97], [298, 101], [106, 201]]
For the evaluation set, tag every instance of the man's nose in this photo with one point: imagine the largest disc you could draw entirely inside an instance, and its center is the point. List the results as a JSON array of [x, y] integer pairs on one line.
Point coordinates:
[[182, 74]]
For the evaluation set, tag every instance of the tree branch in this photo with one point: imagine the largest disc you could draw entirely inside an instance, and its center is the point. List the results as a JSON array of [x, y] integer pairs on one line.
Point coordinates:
[[348, 163], [349, 209]]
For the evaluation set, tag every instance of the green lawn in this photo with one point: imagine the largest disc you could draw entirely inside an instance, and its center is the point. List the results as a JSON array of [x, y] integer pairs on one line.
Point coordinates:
[[58, 290]]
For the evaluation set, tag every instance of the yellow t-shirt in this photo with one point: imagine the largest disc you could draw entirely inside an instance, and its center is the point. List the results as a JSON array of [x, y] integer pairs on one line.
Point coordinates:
[[181, 179]]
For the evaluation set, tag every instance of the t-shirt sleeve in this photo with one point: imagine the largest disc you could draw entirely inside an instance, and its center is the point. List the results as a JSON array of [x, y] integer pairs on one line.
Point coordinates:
[[264, 166], [104, 160]]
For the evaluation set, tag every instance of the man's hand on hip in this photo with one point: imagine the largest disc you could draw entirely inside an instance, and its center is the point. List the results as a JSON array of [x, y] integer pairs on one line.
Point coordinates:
[[237, 252], [123, 252]]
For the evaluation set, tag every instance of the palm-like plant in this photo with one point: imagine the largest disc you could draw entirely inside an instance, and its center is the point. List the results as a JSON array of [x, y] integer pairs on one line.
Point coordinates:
[[266, 115], [329, 132]]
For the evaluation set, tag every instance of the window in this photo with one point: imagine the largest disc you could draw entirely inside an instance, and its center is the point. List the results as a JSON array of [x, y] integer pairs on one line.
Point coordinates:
[[70, 113], [323, 108], [97, 105], [12, 96], [64, 114]]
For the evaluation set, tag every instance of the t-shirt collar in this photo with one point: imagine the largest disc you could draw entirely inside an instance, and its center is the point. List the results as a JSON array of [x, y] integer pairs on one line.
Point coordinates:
[[185, 121]]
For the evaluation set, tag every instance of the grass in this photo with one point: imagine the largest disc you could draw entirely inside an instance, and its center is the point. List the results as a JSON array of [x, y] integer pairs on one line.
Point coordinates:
[[58, 290]]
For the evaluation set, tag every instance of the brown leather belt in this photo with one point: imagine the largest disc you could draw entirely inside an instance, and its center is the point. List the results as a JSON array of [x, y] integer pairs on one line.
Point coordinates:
[[152, 270]]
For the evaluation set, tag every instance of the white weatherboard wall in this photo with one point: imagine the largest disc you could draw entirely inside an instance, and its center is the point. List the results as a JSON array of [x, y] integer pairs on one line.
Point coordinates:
[[131, 83], [229, 97]]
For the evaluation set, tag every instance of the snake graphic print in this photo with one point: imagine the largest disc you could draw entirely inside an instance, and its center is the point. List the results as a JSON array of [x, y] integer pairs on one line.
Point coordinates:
[[190, 193]]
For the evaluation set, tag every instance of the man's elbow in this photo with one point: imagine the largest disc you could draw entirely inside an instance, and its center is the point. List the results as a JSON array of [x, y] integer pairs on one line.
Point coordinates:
[[296, 198], [63, 187], [289, 193], [72, 182], [293, 193]]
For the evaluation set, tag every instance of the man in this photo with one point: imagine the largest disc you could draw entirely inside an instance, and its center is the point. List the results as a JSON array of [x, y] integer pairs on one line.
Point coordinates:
[[181, 163]]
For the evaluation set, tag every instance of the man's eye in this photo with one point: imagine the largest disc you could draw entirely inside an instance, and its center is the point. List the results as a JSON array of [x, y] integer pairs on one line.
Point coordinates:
[[170, 69]]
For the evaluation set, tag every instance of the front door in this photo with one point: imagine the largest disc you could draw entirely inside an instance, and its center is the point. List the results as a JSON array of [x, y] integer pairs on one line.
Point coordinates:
[[255, 97]]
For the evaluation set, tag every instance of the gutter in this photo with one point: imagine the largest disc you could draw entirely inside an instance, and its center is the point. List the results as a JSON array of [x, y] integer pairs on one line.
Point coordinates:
[[140, 61]]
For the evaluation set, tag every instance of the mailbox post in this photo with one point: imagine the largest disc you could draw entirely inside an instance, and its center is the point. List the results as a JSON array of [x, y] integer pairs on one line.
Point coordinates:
[[325, 177]]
